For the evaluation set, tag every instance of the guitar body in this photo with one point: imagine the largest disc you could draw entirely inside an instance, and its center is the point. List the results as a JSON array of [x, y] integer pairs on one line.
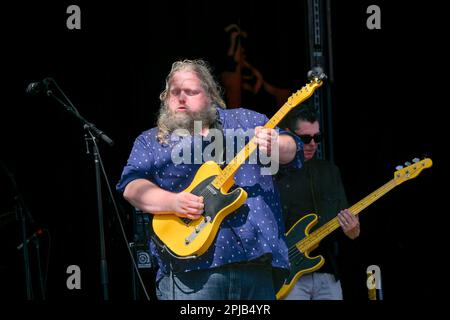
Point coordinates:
[[185, 237], [300, 262]]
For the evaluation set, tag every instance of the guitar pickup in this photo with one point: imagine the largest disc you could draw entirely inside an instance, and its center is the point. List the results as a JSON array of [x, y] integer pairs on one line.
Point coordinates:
[[197, 230]]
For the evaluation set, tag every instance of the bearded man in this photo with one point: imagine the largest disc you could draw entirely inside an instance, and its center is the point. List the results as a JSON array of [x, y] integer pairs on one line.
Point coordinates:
[[249, 250]]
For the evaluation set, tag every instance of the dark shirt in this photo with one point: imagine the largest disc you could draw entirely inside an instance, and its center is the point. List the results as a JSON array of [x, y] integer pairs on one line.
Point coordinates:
[[254, 230], [315, 188]]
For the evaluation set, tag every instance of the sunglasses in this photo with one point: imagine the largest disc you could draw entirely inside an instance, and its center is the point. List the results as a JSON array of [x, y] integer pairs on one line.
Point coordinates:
[[306, 138]]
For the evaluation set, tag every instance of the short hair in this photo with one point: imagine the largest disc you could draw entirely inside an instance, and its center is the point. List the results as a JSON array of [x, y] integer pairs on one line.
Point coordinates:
[[306, 112]]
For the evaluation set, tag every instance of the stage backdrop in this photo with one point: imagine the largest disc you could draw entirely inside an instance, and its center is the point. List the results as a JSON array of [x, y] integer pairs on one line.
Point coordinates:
[[385, 111]]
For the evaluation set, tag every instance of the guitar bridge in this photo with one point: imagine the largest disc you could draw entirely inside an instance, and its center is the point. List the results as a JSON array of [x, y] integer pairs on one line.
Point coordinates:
[[197, 230]]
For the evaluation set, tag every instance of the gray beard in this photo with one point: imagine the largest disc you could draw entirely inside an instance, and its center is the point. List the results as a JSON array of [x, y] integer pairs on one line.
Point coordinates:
[[185, 120]]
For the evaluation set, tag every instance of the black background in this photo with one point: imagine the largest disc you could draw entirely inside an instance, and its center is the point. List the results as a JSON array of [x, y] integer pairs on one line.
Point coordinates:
[[387, 109]]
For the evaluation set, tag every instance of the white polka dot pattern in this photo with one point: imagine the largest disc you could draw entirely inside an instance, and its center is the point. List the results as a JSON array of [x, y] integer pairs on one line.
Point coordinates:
[[254, 229]]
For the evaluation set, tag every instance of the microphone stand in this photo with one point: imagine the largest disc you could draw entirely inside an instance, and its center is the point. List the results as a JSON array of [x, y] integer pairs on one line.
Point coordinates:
[[22, 214], [34, 239], [103, 262], [26, 255], [38, 258], [94, 134]]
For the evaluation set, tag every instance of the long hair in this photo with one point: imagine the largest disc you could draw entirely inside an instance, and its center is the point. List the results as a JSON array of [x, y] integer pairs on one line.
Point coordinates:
[[211, 87]]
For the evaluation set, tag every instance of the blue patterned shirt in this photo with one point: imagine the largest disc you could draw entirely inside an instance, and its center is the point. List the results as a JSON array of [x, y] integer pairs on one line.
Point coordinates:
[[254, 230]]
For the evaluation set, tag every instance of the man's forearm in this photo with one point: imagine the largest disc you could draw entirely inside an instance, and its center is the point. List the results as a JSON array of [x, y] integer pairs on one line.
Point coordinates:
[[148, 197], [287, 148]]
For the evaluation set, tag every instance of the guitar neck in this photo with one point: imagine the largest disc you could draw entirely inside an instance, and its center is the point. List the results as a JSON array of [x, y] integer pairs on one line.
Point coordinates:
[[315, 237], [229, 171]]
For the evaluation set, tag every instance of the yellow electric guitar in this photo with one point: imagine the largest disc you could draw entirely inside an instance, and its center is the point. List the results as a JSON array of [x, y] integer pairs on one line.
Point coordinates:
[[301, 243], [184, 237]]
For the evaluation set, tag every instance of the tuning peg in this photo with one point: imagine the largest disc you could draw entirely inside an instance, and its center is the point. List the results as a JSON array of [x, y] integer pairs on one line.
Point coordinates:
[[407, 163], [415, 160], [316, 73], [398, 167]]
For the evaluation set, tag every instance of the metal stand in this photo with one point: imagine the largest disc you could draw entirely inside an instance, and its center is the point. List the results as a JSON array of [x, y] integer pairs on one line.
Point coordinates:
[[94, 134], [26, 255], [41, 276], [319, 34], [24, 216], [98, 183]]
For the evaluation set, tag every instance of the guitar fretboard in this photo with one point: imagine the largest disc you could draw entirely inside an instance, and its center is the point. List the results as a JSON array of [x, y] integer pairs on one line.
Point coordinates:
[[229, 171], [315, 237]]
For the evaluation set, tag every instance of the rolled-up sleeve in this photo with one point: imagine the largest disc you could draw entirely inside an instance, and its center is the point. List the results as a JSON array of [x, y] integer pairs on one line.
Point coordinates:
[[139, 164], [297, 162]]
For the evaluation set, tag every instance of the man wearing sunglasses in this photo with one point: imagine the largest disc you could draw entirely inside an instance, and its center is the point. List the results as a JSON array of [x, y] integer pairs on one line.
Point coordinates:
[[316, 188]]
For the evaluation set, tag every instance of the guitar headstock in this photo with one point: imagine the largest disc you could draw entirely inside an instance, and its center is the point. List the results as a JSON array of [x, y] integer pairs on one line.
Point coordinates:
[[316, 80], [411, 170]]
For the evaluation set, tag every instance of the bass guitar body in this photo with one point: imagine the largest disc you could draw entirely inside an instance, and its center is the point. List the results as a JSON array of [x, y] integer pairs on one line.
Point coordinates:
[[300, 262]]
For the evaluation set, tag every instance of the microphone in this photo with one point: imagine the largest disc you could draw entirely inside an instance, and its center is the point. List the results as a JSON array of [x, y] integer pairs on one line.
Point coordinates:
[[98, 133], [34, 235], [35, 88]]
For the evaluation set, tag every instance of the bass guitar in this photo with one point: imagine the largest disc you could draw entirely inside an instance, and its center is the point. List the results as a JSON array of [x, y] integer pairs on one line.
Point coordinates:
[[300, 242]]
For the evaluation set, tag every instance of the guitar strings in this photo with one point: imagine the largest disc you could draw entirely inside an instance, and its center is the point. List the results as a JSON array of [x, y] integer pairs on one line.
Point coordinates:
[[294, 251]]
